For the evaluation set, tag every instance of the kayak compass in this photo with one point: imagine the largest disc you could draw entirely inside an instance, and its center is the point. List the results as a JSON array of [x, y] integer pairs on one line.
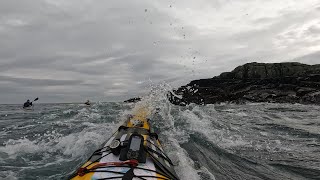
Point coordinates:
[[115, 147]]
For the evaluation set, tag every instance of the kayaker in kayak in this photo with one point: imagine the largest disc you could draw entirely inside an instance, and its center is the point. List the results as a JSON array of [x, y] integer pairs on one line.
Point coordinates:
[[27, 104], [87, 103]]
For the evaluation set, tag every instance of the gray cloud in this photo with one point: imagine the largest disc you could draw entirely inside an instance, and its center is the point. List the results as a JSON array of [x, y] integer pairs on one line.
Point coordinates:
[[313, 58], [315, 29], [39, 82]]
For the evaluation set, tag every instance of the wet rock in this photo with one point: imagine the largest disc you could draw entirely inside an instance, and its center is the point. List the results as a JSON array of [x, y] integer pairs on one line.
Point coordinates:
[[255, 82], [133, 100]]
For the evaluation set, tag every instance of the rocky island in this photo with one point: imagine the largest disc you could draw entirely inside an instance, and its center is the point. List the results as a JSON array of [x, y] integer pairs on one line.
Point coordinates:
[[133, 100], [290, 82]]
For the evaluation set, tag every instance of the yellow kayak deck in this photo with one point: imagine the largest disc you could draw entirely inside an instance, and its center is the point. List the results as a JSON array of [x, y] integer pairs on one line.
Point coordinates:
[[151, 163]]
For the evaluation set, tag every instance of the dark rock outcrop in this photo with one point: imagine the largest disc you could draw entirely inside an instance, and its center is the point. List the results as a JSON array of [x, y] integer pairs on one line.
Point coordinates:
[[132, 100], [255, 82]]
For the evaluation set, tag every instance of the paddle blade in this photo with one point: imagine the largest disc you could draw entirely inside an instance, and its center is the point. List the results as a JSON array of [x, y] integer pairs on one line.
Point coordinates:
[[36, 99]]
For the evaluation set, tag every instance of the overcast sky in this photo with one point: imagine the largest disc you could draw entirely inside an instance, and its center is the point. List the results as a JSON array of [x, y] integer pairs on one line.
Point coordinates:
[[110, 50]]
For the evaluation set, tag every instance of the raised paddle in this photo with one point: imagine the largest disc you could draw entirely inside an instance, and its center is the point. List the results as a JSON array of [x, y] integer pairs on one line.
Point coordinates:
[[36, 99]]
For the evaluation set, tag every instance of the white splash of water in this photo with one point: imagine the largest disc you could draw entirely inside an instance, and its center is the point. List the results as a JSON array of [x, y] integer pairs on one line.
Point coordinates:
[[21, 146], [8, 175], [157, 102], [78, 143]]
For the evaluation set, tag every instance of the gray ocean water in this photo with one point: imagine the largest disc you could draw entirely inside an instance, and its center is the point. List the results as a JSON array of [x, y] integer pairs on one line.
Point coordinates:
[[226, 141]]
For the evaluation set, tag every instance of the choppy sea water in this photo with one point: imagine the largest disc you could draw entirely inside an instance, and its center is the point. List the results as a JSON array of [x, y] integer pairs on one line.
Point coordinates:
[[226, 141]]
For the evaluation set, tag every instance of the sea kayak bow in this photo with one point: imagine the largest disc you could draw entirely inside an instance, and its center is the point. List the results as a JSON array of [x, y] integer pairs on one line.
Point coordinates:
[[132, 152]]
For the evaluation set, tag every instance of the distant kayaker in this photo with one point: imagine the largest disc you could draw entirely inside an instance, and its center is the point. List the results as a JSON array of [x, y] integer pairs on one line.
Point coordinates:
[[87, 103], [27, 104]]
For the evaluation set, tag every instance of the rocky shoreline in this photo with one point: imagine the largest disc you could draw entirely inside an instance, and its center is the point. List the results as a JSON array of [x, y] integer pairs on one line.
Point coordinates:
[[255, 82], [133, 100]]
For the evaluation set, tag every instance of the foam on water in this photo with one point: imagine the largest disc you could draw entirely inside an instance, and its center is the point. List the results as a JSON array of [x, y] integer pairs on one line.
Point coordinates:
[[185, 168], [20, 146], [205, 121], [71, 144], [57, 141], [53, 142], [8, 175]]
